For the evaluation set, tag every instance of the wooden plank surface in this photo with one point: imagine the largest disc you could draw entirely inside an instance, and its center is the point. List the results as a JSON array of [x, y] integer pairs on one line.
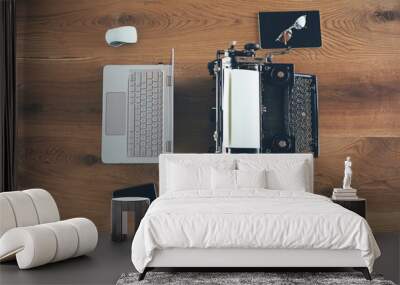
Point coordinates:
[[61, 52]]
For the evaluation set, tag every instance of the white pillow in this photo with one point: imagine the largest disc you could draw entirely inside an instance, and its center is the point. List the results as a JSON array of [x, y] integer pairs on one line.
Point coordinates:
[[223, 179], [226, 179], [190, 176], [292, 175], [291, 179], [251, 178], [183, 178]]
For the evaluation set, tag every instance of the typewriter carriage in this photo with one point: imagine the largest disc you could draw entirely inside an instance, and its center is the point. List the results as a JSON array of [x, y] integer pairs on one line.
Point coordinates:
[[288, 102]]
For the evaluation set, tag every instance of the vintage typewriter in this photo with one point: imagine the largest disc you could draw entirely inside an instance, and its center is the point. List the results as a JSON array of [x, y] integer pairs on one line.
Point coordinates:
[[262, 107]]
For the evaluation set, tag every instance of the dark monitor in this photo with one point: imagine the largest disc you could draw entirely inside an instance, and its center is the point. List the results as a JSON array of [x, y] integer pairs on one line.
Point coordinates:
[[296, 29]]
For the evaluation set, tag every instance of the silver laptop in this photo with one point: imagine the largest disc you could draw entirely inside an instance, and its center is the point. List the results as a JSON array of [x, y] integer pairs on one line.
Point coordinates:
[[137, 112]]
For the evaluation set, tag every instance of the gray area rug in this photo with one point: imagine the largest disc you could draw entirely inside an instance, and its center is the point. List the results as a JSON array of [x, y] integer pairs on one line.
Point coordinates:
[[243, 278]]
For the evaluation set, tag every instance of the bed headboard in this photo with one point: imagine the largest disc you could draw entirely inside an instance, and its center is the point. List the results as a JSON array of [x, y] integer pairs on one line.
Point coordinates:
[[209, 158]]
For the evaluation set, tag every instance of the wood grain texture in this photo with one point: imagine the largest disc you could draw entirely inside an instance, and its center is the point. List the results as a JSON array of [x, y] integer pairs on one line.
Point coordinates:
[[61, 52]]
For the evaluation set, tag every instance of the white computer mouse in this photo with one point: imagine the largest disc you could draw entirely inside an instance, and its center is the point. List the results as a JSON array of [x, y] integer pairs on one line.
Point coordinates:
[[122, 35]]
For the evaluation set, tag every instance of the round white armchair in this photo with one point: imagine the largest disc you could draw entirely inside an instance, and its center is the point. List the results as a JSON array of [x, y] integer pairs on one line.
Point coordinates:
[[31, 230]]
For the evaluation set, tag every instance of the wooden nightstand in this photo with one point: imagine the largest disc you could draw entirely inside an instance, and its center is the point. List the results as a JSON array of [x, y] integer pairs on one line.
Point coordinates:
[[358, 206]]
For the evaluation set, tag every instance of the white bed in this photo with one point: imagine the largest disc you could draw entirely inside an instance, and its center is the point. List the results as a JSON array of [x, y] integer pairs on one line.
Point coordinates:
[[248, 226]]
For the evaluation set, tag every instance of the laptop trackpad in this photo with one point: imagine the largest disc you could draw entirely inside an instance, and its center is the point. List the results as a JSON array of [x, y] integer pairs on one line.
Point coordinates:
[[115, 113]]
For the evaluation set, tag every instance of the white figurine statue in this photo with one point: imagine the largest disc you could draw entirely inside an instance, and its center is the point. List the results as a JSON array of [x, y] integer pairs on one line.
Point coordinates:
[[347, 173]]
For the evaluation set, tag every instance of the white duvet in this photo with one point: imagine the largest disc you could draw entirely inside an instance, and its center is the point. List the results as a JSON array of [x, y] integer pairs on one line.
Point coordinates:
[[250, 219]]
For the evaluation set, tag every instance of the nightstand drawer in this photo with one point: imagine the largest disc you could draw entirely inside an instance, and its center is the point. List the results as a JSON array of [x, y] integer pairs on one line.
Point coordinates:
[[358, 206]]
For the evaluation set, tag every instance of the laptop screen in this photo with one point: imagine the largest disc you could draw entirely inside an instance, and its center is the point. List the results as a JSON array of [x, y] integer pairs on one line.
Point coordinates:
[[296, 29]]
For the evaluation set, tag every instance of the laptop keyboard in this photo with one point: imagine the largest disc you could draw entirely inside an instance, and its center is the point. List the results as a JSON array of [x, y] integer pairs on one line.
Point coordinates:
[[145, 113]]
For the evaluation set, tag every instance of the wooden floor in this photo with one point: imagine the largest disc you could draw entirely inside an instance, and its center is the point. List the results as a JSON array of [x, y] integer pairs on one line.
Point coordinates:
[[110, 260]]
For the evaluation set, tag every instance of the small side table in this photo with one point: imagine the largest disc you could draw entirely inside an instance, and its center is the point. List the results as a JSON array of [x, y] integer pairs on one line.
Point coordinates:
[[358, 205], [119, 218]]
